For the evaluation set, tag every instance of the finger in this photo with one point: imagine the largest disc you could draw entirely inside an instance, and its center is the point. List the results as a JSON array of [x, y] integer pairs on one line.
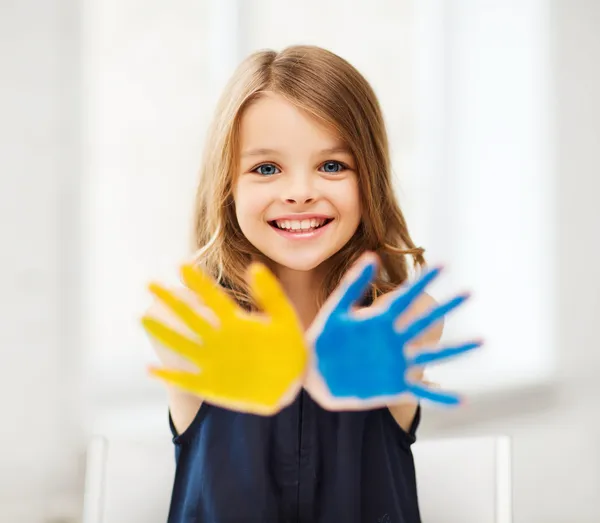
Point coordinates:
[[172, 340], [356, 283], [182, 310], [426, 357], [268, 292], [187, 381], [213, 296], [405, 298], [417, 327], [435, 396]]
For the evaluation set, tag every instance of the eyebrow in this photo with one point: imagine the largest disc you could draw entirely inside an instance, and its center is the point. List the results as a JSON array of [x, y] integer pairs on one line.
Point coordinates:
[[266, 152]]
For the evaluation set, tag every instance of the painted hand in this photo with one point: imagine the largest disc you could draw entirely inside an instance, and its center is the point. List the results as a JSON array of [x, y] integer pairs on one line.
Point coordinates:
[[250, 362], [360, 357]]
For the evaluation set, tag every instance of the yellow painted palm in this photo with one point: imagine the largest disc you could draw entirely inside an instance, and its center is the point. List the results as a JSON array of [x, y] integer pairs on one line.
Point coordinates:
[[254, 362]]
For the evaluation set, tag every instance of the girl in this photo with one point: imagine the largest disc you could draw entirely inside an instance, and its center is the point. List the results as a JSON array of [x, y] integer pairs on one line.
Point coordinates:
[[296, 174]]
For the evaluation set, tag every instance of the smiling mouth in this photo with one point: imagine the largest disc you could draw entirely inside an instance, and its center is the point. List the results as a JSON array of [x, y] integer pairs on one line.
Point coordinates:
[[300, 226]]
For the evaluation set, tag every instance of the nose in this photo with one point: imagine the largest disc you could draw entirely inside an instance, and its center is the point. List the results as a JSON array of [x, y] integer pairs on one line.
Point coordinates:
[[300, 190], [307, 199]]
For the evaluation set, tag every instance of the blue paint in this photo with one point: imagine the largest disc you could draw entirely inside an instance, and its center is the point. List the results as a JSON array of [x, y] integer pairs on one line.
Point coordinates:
[[365, 357]]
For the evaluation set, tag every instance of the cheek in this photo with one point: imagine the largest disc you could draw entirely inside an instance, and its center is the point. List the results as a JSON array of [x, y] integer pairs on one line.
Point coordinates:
[[249, 203], [348, 202]]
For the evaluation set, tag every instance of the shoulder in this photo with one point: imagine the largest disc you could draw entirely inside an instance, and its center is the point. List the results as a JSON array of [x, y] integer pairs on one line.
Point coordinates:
[[183, 406], [423, 305]]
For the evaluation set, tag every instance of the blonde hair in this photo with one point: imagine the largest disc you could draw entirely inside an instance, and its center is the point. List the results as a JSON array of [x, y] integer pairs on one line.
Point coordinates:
[[346, 103]]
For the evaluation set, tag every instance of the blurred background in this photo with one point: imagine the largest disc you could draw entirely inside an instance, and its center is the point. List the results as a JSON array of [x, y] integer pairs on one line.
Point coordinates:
[[494, 118]]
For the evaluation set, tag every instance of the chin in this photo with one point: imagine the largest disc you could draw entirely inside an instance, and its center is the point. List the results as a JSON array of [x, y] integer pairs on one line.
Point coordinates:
[[301, 262]]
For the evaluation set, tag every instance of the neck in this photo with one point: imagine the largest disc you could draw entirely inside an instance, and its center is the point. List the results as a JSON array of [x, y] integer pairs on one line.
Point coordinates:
[[301, 288]]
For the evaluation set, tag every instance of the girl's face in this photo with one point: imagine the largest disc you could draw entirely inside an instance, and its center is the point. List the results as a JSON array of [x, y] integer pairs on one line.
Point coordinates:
[[296, 196]]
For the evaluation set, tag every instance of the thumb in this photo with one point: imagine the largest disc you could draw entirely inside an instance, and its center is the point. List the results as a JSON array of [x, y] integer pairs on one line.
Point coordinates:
[[268, 293]]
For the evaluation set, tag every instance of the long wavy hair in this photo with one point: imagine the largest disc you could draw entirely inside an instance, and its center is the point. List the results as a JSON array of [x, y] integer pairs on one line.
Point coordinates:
[[331, 90]]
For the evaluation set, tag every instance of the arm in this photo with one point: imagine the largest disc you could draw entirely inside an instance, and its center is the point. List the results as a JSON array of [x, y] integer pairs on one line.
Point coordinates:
[[182, 405], [404, 413]]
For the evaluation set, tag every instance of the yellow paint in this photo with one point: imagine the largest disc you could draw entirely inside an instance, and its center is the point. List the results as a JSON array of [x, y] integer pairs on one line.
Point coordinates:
[[248, 361]]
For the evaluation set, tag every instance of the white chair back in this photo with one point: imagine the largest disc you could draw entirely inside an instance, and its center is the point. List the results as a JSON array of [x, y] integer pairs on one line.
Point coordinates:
[[462, 480]]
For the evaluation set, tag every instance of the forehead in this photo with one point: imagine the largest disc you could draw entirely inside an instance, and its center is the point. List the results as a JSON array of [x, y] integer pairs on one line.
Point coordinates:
[[271, 122]]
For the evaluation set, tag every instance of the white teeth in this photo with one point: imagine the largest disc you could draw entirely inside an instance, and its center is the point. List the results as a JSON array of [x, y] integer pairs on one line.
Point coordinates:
[[300, 225]]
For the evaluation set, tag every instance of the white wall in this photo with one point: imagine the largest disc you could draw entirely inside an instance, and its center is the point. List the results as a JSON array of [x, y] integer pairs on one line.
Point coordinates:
[[556, 429], [40, 258], [485, 182], [145, 76]]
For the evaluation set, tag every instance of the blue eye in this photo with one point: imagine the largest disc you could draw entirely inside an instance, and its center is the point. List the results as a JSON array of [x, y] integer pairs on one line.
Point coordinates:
[[333, 167], [267, 169]]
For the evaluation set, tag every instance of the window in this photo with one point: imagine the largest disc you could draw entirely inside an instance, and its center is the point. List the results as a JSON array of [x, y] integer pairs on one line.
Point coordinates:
[[152, 76], [482, 183]]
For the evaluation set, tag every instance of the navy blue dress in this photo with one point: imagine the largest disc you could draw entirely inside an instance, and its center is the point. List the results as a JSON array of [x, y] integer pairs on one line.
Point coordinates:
[[302, 465]]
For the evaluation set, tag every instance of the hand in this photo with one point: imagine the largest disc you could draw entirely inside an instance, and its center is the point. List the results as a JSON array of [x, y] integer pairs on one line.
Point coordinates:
[[250, 362], [360, 359]]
